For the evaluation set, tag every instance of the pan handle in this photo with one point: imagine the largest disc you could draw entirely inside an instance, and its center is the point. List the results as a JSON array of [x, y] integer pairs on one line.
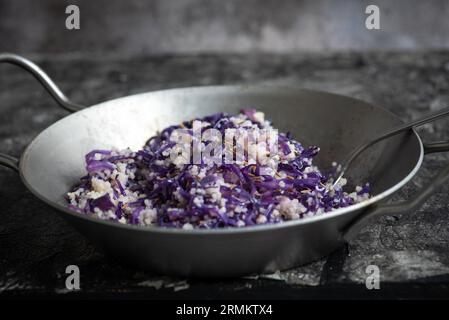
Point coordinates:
[[407, 206], [43, 78], [10, 161]]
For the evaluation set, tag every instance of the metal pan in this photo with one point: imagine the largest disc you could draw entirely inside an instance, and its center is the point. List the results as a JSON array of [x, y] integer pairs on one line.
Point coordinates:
[[54, 161]]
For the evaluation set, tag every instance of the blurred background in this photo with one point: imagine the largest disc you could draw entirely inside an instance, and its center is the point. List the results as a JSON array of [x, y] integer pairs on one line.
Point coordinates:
[[138, 27]]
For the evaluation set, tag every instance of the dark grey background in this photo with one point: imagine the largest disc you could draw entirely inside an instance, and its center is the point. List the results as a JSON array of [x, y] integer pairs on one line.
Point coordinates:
[[123, 28]]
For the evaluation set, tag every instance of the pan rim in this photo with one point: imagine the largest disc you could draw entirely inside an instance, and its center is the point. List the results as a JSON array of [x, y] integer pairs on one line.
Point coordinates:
[[231, 231]]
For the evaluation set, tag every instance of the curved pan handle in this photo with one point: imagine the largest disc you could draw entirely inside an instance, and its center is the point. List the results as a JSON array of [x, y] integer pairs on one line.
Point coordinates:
[[43, 78], [9, 162], [49, 85], [350, 231]]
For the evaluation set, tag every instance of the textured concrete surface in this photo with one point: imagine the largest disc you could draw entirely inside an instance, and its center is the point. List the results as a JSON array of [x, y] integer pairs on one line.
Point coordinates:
[[411, 250], [119, 28]]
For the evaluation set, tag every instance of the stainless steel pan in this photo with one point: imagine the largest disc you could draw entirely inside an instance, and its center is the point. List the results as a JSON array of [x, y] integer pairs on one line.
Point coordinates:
[[54, 161]]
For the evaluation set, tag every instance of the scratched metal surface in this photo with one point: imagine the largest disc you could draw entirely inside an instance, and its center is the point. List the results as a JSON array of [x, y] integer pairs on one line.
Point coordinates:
[[411, 250]]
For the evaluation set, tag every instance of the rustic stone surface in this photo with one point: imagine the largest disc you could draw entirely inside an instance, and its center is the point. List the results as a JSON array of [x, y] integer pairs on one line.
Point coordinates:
[[411, 250]]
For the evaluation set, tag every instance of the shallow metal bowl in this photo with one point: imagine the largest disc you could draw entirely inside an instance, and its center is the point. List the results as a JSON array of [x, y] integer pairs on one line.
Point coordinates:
[[54, 161]]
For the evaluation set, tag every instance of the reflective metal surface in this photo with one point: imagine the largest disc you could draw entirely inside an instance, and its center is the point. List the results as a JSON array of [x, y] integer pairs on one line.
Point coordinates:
[[55, 160], [391, 132]]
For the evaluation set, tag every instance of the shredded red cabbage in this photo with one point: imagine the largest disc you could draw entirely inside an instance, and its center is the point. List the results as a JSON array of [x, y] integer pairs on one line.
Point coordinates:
[[147, 188]]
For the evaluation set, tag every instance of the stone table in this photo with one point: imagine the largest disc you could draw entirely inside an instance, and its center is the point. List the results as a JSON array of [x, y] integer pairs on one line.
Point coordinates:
[[412, 250]]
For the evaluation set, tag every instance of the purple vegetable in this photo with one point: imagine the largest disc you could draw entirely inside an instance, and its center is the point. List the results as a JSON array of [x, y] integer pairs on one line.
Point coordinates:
[[103, 203], [98, 165], [147, 187]]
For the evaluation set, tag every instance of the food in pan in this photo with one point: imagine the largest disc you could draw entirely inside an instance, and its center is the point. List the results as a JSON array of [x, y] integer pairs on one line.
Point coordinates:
[[161, 185]]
